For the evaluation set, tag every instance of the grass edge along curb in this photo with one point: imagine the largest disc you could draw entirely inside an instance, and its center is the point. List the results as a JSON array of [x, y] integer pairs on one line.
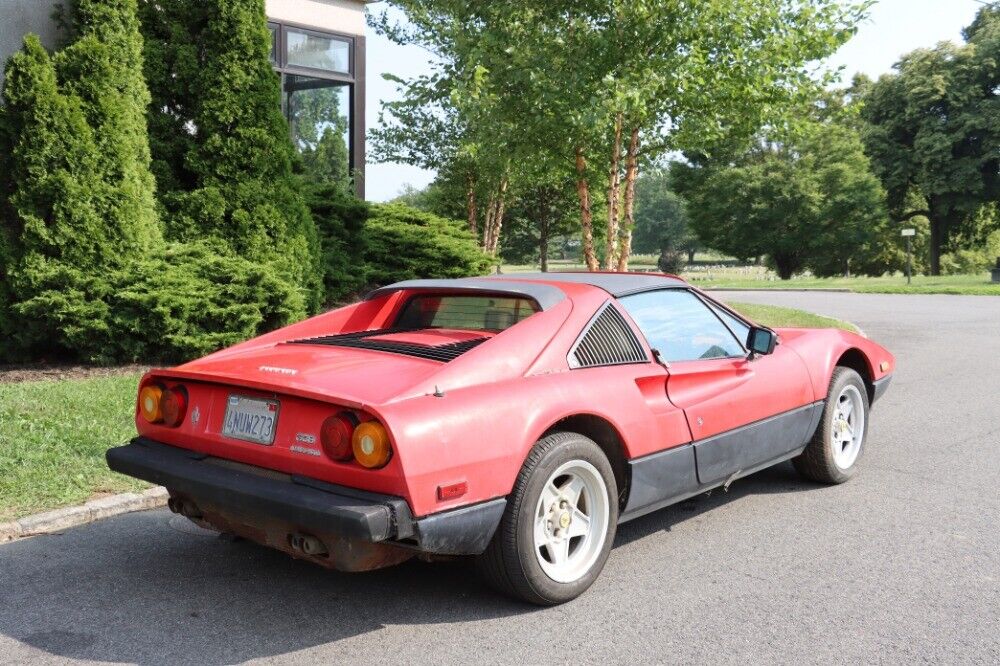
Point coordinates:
[[50, 522]]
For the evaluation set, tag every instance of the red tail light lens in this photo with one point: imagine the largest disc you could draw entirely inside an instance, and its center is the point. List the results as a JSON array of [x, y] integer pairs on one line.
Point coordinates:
[[335, 435], [173, 405]]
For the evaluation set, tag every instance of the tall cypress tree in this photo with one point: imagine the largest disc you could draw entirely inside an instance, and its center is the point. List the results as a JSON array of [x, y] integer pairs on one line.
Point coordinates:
[[235, 182], [80, 201]]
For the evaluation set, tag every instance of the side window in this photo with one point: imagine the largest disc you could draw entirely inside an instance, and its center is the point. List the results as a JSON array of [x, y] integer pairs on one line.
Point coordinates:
[[739, 327], [680, 326]]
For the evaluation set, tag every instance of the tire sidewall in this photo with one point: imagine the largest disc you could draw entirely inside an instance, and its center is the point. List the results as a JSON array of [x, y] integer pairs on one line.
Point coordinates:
[[576, 447]]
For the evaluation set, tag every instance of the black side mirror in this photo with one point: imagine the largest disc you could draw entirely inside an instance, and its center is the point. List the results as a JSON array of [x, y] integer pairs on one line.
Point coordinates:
[[761, 341]]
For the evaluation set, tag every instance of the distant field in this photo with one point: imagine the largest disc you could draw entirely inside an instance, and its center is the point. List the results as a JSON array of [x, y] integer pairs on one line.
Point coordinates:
[[945, 284], [707, 274]]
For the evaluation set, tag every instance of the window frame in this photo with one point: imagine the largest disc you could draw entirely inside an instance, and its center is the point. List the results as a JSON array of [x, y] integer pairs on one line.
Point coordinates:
[[707, 304], [354, 80]]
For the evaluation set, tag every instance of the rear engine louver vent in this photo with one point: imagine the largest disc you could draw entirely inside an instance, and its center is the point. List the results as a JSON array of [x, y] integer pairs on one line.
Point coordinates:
[[608, 340], [364, 340]]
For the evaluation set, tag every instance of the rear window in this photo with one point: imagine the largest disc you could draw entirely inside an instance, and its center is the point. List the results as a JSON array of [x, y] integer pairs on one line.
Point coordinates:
[[477, 313]]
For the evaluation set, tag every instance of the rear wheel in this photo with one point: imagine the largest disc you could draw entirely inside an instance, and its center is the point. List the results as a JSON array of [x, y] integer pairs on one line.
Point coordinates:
[[559, 524], [834, 451]]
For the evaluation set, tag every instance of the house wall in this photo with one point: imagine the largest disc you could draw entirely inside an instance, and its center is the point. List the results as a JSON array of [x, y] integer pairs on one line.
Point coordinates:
[[18, 18], [345, 16]]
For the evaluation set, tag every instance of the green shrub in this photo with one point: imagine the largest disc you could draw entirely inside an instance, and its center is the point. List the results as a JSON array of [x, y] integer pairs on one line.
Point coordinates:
[[404, 243], [340, 221], [192, 300], [233, 179], [78, 201]]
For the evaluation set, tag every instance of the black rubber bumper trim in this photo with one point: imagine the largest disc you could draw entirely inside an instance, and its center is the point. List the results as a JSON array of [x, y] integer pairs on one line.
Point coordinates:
[[306, 503], [464, 531], [880, 386]]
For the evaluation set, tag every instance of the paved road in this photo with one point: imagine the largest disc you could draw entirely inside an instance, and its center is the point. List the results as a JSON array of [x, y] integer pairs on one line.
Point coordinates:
[[900, 565]]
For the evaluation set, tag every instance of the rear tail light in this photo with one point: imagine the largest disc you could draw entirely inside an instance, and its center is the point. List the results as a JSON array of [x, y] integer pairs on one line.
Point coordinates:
[[163, 405], [173, 404], [335, 435], [370, 443], [149, 403]]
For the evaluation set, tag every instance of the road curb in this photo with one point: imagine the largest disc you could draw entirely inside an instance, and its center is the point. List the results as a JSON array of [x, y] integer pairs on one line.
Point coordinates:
[[58, 520]]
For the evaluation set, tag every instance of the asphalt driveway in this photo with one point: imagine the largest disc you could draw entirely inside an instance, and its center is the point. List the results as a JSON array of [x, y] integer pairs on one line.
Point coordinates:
[[902, 564]]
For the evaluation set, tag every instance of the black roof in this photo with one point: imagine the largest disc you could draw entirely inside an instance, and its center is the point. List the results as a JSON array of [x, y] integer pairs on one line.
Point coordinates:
[[546, 295], [616, 284]]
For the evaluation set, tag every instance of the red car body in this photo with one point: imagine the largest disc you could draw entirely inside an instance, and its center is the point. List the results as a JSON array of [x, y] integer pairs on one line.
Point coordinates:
[[461, 428]]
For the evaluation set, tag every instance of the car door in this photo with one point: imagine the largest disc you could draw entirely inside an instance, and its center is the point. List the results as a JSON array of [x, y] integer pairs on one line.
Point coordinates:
[[744, 412]]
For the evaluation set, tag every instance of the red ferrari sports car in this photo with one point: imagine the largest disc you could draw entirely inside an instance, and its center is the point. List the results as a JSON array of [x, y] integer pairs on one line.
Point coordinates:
[[514, 418]]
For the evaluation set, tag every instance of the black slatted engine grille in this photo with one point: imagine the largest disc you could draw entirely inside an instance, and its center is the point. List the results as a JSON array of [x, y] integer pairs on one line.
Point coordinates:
[[607, 341], [363, 340]]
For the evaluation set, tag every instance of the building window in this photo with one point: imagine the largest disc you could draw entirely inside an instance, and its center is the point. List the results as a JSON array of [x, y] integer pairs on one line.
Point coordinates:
[[316, 51], [323, 99]]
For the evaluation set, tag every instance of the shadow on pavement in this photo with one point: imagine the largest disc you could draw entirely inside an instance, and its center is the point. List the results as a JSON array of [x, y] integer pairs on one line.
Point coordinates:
[[145, 588]]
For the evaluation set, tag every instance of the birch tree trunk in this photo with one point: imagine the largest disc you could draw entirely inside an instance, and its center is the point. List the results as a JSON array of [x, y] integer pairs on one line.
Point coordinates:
[[614, 189], [470, 205], [494, 219], [631, 173], [586, 215]]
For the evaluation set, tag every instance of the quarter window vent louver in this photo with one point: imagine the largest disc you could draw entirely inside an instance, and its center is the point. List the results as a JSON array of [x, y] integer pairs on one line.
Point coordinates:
[[607, 340], [364, 340]]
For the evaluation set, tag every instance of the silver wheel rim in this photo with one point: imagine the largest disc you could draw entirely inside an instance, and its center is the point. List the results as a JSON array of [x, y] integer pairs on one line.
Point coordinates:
[[848, 428], [571, 521]]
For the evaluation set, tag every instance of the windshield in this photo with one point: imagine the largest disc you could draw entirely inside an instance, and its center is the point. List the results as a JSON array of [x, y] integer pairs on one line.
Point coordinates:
[[477, 313]]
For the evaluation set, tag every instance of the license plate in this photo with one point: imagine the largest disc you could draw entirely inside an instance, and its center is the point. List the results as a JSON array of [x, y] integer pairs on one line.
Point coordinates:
[[251, 419]]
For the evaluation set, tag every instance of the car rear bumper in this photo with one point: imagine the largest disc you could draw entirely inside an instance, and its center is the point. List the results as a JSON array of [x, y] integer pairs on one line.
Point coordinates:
[[255, 496]]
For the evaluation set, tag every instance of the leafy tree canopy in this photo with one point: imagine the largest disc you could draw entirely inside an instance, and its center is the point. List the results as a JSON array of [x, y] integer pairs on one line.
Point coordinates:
[[806, 201], [933, 133]]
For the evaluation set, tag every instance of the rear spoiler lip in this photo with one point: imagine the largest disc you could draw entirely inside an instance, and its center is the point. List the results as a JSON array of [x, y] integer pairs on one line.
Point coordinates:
[[262, 386], [546, 295]]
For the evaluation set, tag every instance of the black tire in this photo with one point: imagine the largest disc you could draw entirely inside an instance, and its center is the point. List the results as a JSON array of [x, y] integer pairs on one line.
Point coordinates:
[[817, 461], [509, 563]]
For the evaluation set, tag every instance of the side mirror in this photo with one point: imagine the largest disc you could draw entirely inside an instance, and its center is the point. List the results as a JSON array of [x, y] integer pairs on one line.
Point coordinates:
[[761, 341]]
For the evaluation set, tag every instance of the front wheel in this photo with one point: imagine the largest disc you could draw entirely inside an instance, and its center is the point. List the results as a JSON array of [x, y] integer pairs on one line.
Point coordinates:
[[557, 530], [834, 451]]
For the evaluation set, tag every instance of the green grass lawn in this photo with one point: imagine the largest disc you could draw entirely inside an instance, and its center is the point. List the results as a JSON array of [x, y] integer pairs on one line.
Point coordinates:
[[53, 435], [747, 278], [778, 317]]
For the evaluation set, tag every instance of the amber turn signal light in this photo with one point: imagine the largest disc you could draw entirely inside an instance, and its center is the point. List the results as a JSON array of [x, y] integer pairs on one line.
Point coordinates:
[[370, 443], [149, 403]]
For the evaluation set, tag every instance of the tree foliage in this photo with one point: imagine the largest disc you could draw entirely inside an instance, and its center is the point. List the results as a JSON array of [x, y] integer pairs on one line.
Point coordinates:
[[599, 87], [221, 142], [807, 201], [933, 133], [404, 244], [79, 200], [661, 219]]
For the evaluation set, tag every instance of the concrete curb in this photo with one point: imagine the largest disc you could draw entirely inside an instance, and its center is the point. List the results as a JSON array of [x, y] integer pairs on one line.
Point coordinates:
[[73, 516]]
